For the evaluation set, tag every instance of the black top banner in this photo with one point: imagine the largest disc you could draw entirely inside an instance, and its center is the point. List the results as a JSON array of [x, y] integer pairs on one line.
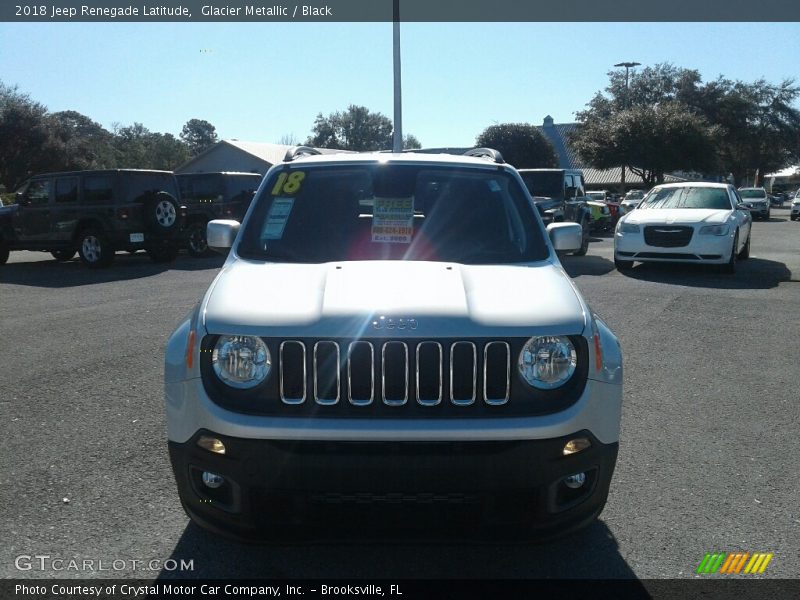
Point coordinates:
[[410, 10]]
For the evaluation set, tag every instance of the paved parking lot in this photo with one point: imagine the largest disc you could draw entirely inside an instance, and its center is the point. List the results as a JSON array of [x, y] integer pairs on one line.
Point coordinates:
[[708, 453]]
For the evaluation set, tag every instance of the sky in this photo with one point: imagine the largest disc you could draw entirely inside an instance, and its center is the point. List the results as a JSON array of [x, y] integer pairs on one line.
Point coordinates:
[[268, 81]]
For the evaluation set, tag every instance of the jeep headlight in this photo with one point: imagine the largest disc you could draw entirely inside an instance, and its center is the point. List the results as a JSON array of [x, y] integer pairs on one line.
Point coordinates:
[[241, 361], [714, 230], [626, 227], [547, 362]]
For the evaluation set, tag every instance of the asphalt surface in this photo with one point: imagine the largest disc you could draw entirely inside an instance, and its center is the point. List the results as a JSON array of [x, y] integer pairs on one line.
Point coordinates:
[[708, 451]]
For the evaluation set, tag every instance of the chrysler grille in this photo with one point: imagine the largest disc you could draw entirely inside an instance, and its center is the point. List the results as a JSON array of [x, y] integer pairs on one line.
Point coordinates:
[[362, 372], [668, 236]]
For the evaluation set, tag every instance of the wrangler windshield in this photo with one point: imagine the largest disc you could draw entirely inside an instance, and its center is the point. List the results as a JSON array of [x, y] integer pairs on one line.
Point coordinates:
[[547, 184], [392, 212]]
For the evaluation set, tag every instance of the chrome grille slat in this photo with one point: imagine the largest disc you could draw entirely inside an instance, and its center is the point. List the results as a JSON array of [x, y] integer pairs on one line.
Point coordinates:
[[430, 401], [467, 401], [317, 398], [360, 401], [486, 375], [362, 389], [281, 368], [394, 401]]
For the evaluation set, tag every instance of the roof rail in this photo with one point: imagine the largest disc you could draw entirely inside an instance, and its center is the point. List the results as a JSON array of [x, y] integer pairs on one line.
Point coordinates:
[[297, 151], [489, 153]]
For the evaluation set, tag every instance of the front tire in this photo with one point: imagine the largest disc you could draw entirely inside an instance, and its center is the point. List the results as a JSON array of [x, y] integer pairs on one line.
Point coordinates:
[[729, 268], [745, 253], [164, 253], [623, 265], [4, 252], [197, 245], [584, 239], [94, 249], [63, 255]]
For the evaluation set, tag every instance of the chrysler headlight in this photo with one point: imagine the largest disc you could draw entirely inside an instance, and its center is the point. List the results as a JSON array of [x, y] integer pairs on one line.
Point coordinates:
[[625, 227], [714, 230], [241, 361], [547, 362]]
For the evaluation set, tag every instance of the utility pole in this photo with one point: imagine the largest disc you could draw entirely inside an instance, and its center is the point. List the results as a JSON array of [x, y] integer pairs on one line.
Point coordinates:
[[627, 65], [397, 138]]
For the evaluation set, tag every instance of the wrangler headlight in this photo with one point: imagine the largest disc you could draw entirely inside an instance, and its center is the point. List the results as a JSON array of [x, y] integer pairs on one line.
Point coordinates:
[[241, 361], [714, 230], [547, 362]]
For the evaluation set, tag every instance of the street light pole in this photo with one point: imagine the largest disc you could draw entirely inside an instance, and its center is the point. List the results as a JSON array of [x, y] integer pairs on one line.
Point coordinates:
[[397, 138], [628, 66]]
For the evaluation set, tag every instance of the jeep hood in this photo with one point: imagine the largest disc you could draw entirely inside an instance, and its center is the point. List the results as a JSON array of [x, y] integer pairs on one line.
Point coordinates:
[[343, 299]]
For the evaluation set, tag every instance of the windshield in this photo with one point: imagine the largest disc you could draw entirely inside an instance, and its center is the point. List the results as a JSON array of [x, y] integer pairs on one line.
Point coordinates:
[[548, 184], [392, 212], [688, 197], [752, 193], [596, 195], [634, 196]]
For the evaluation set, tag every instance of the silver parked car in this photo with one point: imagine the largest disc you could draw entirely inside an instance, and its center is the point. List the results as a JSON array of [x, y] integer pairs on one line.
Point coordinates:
[[392, 330], [757, 201]]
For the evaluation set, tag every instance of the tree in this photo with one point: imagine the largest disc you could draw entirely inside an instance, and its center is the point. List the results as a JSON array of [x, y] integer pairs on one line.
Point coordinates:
[[355, 129], [759, 126], [410, 142], [653, 140], [26, 143], [521, 145], [83, 143], [198, 135], [138, 148], [755, 126]]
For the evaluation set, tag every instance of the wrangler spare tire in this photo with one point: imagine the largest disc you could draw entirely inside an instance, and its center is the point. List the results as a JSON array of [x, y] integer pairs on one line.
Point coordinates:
[[161, 213]]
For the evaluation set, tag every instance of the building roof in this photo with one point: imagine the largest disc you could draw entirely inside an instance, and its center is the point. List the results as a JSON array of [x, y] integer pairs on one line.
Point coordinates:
[[269, 154], [558, 134]]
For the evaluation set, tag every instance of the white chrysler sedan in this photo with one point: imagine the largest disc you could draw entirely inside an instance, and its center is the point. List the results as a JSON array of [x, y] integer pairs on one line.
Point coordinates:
[[685, 222]]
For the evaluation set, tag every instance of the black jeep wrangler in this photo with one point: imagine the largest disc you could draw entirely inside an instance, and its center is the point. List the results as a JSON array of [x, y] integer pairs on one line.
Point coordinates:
[[209, 196], [94, 213], [560, 195]]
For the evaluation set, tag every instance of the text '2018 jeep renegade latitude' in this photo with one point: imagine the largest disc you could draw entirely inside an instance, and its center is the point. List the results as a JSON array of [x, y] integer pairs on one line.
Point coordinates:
[[392, 332]]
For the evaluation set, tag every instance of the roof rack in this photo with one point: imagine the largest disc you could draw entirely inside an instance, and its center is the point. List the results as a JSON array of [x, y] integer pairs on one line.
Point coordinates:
[[489, 153], [297, 151]]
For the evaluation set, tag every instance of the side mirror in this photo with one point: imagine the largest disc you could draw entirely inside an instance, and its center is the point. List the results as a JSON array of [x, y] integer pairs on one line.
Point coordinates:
[[565, 237], [20, 199], [221, 233]]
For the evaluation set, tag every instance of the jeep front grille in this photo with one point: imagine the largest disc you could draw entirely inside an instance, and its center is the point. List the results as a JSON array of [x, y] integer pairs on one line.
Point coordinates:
[[384, 371]]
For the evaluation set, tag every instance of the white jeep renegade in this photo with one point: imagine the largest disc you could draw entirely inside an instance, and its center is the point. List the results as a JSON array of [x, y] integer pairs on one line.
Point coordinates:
[[392, 337]]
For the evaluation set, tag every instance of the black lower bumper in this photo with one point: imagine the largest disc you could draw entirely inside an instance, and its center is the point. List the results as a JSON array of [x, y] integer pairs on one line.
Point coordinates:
[[277, 489]]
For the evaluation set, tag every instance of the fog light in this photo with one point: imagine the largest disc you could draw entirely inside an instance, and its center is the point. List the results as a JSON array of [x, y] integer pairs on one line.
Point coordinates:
[[211, 444], [576, 445], [573, 481], [213, 480]]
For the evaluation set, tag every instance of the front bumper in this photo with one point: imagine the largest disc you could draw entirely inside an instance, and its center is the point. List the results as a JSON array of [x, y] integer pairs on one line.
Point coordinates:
[[317, 489], [710, 249], [760, 210]]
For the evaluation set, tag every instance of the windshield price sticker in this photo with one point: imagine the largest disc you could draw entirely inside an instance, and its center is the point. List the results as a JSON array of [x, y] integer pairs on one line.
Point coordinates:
[[393, 220], [276, 218]]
